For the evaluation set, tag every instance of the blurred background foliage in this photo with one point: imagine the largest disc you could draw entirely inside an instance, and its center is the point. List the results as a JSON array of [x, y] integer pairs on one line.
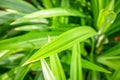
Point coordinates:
[[84, 33]]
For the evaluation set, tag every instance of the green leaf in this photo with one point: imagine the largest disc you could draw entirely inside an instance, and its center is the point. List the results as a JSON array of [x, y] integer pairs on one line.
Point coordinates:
[[110, 6], [32, 39], [8, 75], [47, 4], [114, 27], [22, 71], [7, 17], [112, 62], [89, 65], [4, 53], [56, 67], [18, 5], [47, 13], [105, 19], [113, 51], [66, 58], [116, 75], [117, 3], [101, 4], [76, 64], [39, 76], [37, 27], [47, 71], [95, 9], [62, 42]]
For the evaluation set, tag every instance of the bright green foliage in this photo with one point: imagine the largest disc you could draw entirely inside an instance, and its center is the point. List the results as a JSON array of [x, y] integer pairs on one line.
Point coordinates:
[[17, 5], [32, 39], [89, 65], [49, 13], [62, 42], [57, 67], [84, 39], [48, 74], [76, 64], [105, 19]]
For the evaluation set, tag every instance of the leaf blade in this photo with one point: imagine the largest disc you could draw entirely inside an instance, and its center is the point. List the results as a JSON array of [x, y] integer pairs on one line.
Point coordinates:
[[47, 13], [76, 65], [56, 67], [62, 42], [47, 71]]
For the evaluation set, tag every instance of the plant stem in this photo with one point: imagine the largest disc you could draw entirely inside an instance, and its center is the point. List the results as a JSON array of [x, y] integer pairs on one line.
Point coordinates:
[[94, 75]]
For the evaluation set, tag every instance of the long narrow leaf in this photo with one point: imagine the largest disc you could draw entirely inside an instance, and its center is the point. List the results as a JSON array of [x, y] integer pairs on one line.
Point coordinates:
[[76, 64], [47, 13], [112, 62], [36, 39], [22, 71], [113, 51], [89, 65], [62, 42], [18, 5], [47, 71], [57, 67]]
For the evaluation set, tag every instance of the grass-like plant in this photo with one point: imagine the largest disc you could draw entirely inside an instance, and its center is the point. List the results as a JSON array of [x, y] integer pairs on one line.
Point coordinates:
[[59, 40]]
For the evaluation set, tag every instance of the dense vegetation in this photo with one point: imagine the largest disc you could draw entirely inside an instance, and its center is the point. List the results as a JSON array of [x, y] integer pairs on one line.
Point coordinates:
[[59, 40]]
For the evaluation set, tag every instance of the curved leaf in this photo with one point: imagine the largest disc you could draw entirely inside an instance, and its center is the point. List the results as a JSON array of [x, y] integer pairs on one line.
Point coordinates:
[[62, 42], [32, 39], [18, 5], [47, 71], [105, 19], [56, 67], [47, 13]]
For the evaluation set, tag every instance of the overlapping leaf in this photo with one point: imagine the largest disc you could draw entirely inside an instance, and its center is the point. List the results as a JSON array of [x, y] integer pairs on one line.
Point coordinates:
[[114, 51], [18, 5], [36, 39], [62, 42], [47, 13], [56, 67], [76, 64], [48, 74], [89, 65]]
